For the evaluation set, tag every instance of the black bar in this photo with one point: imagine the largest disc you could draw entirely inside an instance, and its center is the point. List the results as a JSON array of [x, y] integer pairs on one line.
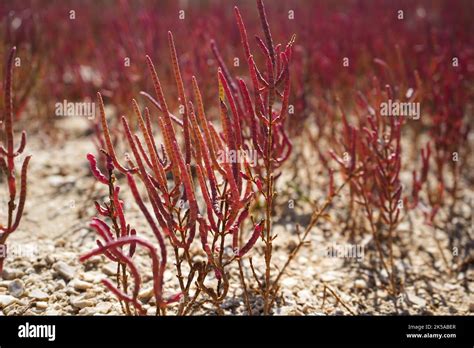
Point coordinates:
[[292, 331]]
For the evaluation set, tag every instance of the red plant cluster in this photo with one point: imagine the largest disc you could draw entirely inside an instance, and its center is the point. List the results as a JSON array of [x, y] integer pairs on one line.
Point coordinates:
[[416, 61], [118, 235], [374, 161], [226, 185], [76, 69], [449, 129], [370, 157], [203, 165], [421, 36]]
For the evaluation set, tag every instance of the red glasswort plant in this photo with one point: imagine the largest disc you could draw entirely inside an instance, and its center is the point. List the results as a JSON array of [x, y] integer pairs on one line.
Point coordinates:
[[225, 187], [120, 231], [7, 163], [218, 206], [265, 118], [120, 234], [372, 156]]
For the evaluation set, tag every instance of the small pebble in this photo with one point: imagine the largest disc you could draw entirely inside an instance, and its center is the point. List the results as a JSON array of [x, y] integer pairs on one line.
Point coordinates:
[[416, 300], [331, 276], [50, 259], [289, 282], [6, 300], [146, 294], [60, 284], [64, 270], [80, 302], [304, 296], [41, 305], [103, 307], [110, 269], [38, 294], [308, 309], [81, 285], [360, 284], [151, 311], [295, 312], [285, 310], [16, 288], [87, 311], [10, 274]]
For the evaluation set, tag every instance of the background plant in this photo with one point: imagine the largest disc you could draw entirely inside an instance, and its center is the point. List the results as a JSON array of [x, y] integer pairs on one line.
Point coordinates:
[[8, 152]]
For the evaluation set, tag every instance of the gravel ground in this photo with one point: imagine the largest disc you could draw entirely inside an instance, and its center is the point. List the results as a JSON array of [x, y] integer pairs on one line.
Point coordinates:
[[44, 276]]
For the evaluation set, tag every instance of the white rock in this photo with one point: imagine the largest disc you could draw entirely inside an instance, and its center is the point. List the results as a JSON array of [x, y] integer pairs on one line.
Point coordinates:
[[360, 284], [418, 301], [41, 305], [146, 294], [51, 312], [331, 276], [91, 277], [60, 284], [285, 310], [110, 269], [451, 287], [6, 300], [87, 311], [103, 307], [81, 285], [64, 270], [303, 260], [383, 273], [304, 296], [289, 282], [10, 274], [38, 294], [16, 288], [295, 312], [308, 309], [151, 311], [4, 283], [309, 272], [81, 302], [50, 259]]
